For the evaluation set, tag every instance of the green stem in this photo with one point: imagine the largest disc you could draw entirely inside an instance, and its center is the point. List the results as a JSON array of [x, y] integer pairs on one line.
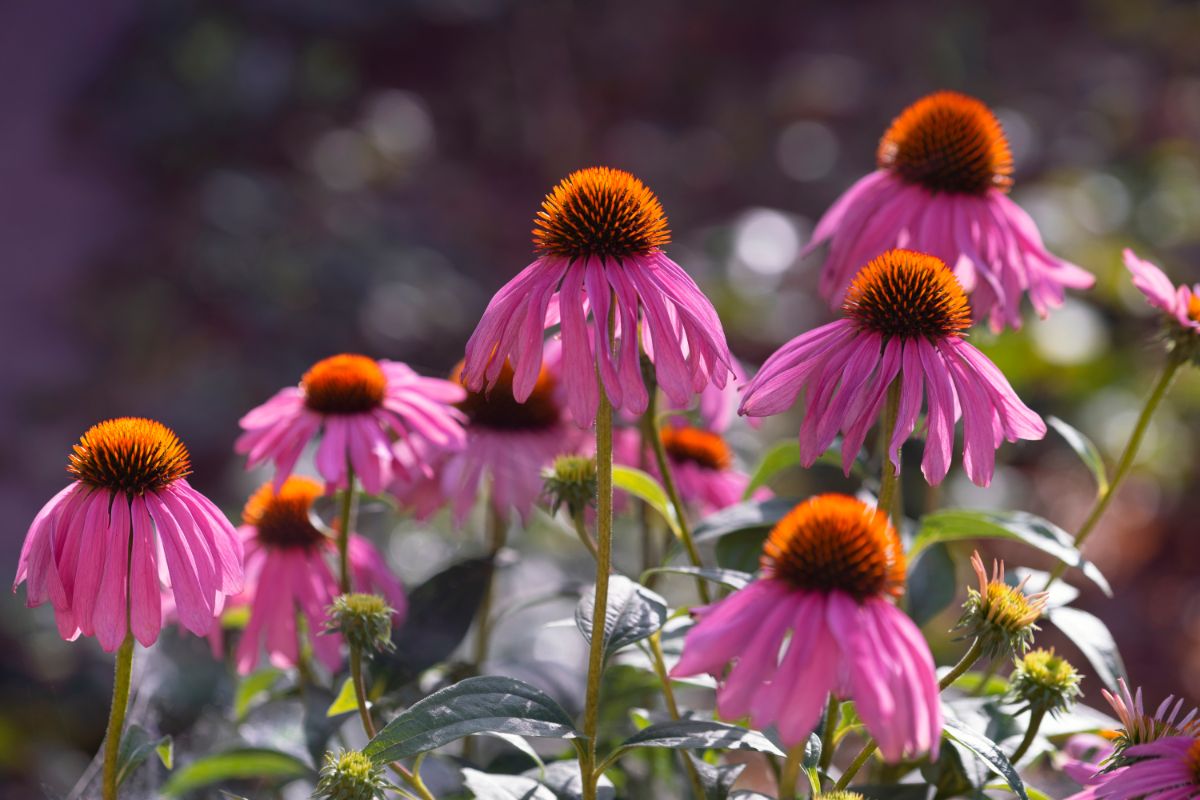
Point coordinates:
[[497, 535], [791, 771], [827, 743], [889, 478], [1035, 722], [650, 432], [1174, 362], [660, 669], [965, 663], [604, 521], [345, 523], [116, 715], [585, 537]]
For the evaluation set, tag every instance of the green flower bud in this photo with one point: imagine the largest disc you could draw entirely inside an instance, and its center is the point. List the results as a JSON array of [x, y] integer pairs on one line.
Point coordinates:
[[839, 796], [364, 619], [571, 481], [1045, 682], [1000, 616], [350, 775]]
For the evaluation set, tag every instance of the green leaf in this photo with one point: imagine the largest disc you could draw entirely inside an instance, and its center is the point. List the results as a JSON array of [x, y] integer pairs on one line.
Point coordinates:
[[956, 524], [632, 613], [136, 747], [733, 578], [232, 765], [1088, 453], [758, 515], [562, 778], [741, 550], [251, 687], [1093, 639], [489, 704], [989, 753], [932, 584], [717, 780], [644, 486], [780, 457], [504, 787], [345, 702], [698, 734]]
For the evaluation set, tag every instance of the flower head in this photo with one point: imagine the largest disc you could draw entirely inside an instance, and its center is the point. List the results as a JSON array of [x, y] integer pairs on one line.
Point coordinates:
[[1044, 682], [370, 416], [365, 620], [289, 576], [571, 482], [1139, 727], [94, 550], [944, 167], [820, 620], [350, 775], [904, 316], [1181, 304], [1166, 769], [999, 614], [840, 796], [601, 272]]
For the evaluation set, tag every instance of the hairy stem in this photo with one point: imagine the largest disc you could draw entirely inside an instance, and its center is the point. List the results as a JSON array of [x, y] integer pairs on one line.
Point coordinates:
[[1035, 722], [411, 777], [889, 478], [116, 715], [660, 669], [584, 536], [831, 722], [345, 523]]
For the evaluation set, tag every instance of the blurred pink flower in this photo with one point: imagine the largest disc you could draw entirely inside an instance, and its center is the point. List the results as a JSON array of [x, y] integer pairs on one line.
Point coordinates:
[[905, 315], [829, 568], [1182, 303], [944, 170], [96, 550], [288, 574], [599, 239], [1167, 769], [357, 406]]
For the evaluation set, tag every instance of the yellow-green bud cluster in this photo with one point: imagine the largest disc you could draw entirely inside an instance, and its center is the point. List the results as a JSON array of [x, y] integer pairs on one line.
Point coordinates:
[[365, 620], [350, 775], [1001, 616], [1044, 681], [839, 796], [571, 482]]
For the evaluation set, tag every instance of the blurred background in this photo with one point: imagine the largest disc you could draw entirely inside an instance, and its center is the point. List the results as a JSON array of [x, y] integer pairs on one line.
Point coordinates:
[[202, 198]]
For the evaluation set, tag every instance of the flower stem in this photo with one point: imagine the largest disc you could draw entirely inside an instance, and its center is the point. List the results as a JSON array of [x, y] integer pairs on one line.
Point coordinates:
[[889, 477], [791, 771], [585, 537], [650, 433], [965, 663], [1174, 362], [497, 535], [831, 722], [345, 522], [1035, 722], [116, 715], [660, 669], [604, 521]]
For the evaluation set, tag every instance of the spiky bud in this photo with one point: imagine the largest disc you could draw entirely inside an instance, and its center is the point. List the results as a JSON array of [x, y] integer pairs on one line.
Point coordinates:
[[839, 796], [350, 775], [571, 482], [365, 620], [1002, 617], [1044, 681]]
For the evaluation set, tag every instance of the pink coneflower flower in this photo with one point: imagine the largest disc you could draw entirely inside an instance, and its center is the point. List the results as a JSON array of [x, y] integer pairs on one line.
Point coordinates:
[[1181, 303], [363, 411], [829, 568], [288, 576], [1167, 769], [508, 445], [944, 171], [96, 550], [1138, 727], [701, 464], [905, 315], [599, 239]]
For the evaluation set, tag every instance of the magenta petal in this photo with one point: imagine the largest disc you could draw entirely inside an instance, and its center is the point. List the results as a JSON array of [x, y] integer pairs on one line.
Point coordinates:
[[110, 615], [145, 607]]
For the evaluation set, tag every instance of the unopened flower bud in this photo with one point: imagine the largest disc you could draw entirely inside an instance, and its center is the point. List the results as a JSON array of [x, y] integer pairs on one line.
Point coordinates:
[[365, 620], [350, 775], [571, 482], [839, 796], [1002, 617], [1044, 681]]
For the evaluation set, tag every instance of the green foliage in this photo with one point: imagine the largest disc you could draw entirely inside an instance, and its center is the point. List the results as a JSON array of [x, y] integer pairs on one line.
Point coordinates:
[[632, 613], [240, 763], [645, 487], [136, 746]]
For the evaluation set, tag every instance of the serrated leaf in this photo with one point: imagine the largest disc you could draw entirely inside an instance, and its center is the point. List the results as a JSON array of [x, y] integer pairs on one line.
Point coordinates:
[[233, 765], [781, 456], [504, 787], [632, 613], [136, 746], [957, 524], [932, 584], [988, 753], [1093, 639], [733, 578], [697, 734], [1088, 453], [251, 687], [646, 488], [487, 704], [345, 702]]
